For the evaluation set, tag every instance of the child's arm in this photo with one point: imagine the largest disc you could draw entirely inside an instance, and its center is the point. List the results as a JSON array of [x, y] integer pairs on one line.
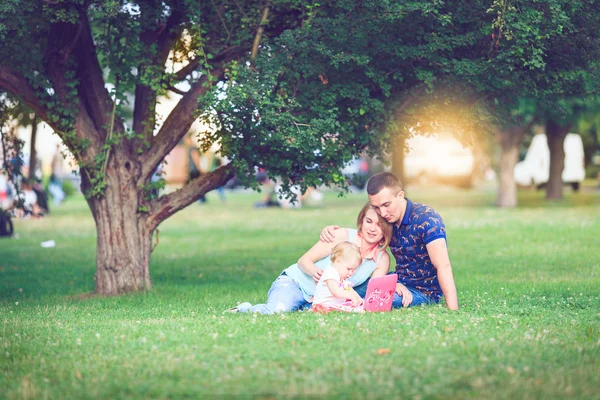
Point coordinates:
[[337, 291]]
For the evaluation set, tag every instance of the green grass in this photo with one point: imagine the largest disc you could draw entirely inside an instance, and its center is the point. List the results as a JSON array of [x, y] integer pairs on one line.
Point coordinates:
[[529, 325]]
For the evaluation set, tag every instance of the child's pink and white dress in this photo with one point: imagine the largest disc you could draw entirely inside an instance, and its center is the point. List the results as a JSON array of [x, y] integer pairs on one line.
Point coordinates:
[[324, 301]]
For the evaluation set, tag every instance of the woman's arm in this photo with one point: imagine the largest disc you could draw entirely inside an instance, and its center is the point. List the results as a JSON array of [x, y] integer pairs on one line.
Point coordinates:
[[383, 266], [320, 250]]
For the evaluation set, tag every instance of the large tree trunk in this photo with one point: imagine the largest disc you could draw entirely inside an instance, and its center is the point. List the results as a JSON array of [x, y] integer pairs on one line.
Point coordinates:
[[126, 219], [124, 240], [509, 139], [507, 191], [123, 249], [555, 134]]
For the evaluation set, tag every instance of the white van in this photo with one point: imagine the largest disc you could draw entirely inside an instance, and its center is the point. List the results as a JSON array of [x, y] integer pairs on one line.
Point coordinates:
[[535, 168]]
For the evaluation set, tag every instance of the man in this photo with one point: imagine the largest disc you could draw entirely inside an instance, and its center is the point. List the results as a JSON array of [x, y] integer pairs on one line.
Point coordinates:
[[418, 245]]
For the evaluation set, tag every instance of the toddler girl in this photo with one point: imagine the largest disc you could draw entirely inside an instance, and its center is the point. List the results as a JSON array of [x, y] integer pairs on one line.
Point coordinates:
[[334, 292]]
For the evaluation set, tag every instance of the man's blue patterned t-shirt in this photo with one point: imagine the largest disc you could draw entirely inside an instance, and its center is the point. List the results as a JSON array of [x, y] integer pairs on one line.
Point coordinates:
[[420, 226]]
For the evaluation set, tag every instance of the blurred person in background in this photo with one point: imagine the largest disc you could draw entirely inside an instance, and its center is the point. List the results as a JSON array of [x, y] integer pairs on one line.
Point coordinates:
[[55, 186], [27, 201], [5, 191], [194, 164]]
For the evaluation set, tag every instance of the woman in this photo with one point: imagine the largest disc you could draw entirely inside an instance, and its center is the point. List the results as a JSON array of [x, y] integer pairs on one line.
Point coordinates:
[[294, 288]]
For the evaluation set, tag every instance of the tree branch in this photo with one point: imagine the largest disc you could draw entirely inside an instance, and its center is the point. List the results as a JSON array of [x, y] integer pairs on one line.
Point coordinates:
[[176, 125], [62, 40], [220, 12], [188, 69], [176, 91], [65, 39], [16, 84], [165, 206], [227, 54], [144, 113], [260, 30], [92, 91], [170, 34]]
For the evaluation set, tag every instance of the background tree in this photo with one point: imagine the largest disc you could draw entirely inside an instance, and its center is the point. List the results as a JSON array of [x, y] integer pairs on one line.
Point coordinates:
[[469, 68], [560, 120], [294, 87], [588, 125], [60, 77], [548, 54], [149, 49]]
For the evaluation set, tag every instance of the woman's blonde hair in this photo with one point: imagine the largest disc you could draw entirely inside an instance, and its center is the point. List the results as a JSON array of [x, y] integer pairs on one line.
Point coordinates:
[[386, 228], [346, 251]]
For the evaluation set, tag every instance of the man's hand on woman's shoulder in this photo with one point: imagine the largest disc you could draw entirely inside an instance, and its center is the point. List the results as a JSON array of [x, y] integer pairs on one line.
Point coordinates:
[[328, 233]]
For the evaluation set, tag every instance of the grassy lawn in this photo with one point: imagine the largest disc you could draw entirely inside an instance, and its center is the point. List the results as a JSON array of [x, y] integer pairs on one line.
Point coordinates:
[[529, 325]]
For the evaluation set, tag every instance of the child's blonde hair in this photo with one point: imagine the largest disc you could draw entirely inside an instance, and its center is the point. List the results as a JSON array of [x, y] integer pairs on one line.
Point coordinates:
[[346, 251]]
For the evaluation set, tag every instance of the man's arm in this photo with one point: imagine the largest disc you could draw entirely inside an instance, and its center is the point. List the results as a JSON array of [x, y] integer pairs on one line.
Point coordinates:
[[406, 295], [438, 253]]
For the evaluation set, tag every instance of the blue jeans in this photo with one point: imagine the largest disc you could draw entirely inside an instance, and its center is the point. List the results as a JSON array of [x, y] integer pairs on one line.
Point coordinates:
[[417, 300], [284, 295]]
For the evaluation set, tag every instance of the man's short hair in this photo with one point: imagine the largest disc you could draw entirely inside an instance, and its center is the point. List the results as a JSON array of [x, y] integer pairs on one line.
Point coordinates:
[[383, 180]]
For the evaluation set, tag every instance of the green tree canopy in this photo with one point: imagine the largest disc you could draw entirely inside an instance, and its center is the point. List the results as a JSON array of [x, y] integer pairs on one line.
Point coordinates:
[[294, 86]]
